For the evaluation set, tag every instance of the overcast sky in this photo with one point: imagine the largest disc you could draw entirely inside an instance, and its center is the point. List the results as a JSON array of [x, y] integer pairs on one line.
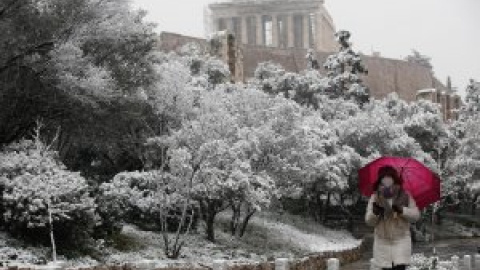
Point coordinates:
[[445, 30]]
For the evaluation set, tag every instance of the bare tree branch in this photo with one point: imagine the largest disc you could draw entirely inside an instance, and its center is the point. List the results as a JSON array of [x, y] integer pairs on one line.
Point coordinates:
[[10, 5], [38, 48]]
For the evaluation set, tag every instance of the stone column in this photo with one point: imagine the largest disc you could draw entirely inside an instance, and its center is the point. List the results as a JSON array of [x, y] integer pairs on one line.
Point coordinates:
[[244, 25], [467, 262], [290, 31], [281, 264], [372, 264], [333, 264], [318, 31], [455, 261], [306, 31], [259, 30], [274, 30], [219, 265], [477, 261], [229, 23]]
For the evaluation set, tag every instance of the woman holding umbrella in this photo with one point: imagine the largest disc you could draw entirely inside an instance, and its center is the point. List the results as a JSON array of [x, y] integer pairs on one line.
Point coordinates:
[[391, 210]]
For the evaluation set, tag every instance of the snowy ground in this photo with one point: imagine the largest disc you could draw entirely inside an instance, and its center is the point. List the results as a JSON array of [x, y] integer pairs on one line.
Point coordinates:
[[268, 237]]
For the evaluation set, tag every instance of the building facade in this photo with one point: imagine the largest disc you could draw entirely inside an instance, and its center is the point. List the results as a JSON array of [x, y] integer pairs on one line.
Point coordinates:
[[274, 23]]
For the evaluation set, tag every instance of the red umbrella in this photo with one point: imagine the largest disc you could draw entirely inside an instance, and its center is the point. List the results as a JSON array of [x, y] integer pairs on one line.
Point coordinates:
[[418, 180]]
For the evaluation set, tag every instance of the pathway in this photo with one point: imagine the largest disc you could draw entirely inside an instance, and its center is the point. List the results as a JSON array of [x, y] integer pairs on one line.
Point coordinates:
[[445, 250]]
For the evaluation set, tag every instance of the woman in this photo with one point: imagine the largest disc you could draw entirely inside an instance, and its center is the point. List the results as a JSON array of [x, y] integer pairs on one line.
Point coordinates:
[[391, 210]]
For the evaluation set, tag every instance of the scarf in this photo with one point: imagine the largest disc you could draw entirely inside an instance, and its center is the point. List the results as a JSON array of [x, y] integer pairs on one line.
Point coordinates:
[[399, 197]]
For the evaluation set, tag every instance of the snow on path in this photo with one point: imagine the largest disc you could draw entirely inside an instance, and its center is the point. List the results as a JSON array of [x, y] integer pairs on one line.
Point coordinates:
[[328, 240]]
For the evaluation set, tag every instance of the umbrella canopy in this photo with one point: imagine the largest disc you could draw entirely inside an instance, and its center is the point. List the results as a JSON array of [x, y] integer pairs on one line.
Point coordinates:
[[418, 180]]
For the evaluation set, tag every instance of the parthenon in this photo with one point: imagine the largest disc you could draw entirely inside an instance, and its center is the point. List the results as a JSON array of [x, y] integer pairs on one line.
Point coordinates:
[[275, 23]]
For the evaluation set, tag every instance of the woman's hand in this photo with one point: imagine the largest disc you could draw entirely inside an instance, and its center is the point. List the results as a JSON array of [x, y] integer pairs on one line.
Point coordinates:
[[377, 209], [397, 208]]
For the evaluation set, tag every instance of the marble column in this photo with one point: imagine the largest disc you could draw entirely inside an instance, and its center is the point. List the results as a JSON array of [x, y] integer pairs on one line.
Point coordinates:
[[290, 31], [317, 37], [244, 26], [322, 33], [229, 22], [306, 31], [259, 30], [274, 30]]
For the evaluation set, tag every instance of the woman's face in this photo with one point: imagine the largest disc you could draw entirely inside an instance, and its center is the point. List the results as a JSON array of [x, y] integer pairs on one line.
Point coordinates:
[[386, 186], [387, 181]]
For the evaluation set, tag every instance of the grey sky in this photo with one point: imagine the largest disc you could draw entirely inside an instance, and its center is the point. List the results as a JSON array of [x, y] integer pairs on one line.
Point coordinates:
[[445, 30]]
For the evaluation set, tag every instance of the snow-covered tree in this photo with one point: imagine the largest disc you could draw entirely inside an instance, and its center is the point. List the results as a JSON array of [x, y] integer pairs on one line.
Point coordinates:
[[332, 110], [267, 77], [38, 192], [471, 108], [204, 66], [180, 79], [425, 124], [305, 88], [418, 58], [463, 169], [423, 121], [375, 133], [173, 96], [328, 167], [344, 71], [215, 150], [59, 55]]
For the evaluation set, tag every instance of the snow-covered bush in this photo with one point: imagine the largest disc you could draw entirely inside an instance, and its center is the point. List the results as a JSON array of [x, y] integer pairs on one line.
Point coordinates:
[[14, 255], [153, 200], [304, 88], [374, 132], [421, 262], [142, 198], [33, 182], [210, 153]]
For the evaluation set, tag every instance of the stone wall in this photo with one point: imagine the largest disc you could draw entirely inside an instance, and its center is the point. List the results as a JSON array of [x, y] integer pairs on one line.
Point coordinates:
[[385, 75], [313, 261], [173, 42]]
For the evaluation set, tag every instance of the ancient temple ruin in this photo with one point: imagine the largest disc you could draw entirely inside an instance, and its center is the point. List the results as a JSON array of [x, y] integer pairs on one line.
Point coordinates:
[[274, 23], [283, 31]]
